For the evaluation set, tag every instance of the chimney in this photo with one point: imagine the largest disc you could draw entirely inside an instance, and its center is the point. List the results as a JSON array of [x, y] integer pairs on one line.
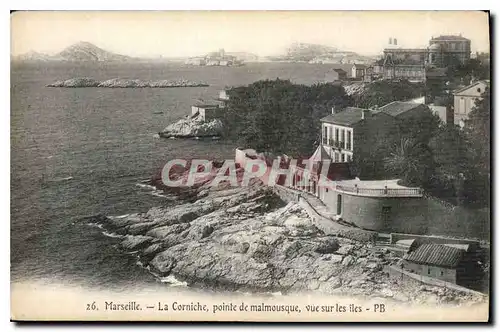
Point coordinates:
[[333, 109], [364, 114]]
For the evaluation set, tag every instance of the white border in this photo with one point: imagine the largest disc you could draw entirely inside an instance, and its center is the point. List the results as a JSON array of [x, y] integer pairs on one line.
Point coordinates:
[[187, 5]]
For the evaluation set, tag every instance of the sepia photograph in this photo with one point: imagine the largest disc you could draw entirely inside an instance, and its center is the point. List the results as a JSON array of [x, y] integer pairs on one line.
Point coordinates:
[[250, 166]]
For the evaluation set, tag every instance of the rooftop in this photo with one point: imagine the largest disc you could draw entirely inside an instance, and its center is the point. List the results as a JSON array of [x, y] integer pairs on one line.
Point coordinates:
[[449, 37], [320, 154], [485, 82], [347, 117], [396, 108], [206, 105], [436, 72], [436, 254], [405, 50]]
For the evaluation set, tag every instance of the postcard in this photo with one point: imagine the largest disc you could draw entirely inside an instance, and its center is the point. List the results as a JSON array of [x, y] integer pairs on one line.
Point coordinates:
[[250, 166]]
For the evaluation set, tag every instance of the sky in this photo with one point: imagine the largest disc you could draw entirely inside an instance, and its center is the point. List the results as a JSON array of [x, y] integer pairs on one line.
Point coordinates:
[[191, 33]]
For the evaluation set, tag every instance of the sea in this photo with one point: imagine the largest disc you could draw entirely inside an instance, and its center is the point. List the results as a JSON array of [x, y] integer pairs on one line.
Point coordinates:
[[78, 152]]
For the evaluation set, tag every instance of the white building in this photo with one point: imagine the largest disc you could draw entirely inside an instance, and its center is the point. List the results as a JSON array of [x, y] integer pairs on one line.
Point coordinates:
[[464, 100]]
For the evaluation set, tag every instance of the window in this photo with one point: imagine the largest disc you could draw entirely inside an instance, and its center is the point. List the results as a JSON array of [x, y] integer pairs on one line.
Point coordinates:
[[326, 189], [336, 134], [348, 142], [386, 214], [461, 108], [342, 139], [479, 90], [429, 270], [343, 157], [336, 157], [442, 273]]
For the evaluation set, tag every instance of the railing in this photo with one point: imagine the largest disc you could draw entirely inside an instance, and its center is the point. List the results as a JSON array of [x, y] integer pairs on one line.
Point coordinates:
[[388, 192]]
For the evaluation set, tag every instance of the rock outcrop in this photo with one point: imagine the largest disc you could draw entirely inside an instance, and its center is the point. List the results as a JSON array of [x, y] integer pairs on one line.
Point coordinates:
[[246, 239], [193, 127]]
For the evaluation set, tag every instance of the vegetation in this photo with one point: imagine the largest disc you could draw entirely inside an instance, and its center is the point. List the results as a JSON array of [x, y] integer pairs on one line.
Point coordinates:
[[380, 93], [400, 152], [473, 69], [278, 116], [447, 162]]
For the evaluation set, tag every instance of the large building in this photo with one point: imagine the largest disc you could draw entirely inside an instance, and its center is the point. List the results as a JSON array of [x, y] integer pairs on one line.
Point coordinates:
[[443, 50], [402, 63], [412, 64], [342, 131]]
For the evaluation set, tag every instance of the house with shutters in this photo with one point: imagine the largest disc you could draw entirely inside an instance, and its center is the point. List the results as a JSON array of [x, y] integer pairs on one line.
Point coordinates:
[[353, 126], [464, 100]]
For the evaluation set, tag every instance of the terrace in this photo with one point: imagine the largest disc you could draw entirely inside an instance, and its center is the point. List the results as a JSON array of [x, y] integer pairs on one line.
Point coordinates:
[[377, 188]]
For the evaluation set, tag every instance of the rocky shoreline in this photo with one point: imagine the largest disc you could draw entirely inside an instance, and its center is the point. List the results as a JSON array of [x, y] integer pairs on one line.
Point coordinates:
[[248, 239], [86, 82]]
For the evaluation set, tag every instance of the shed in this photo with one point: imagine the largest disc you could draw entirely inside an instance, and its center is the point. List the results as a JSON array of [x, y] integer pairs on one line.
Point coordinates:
[[437, 261]]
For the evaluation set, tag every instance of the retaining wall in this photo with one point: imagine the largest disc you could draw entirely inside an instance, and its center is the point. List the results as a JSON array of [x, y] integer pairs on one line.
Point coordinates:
[[400, 273]]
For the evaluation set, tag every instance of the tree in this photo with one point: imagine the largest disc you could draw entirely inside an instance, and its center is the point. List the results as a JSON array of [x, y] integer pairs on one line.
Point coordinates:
[[420, 127], [278, 116], [410, 160], [450, 152], [478, 131], [380, 93], [478, 135]]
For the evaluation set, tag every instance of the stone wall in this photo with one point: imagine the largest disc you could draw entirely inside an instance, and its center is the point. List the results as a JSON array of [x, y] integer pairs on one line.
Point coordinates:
[[441, 273], [412, 215], [396, 272], [287, 195]]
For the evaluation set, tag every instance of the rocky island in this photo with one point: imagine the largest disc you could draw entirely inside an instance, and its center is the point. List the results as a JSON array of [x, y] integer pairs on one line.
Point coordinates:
[[193, 128], [85, 82], [205, 121], [248, 239]]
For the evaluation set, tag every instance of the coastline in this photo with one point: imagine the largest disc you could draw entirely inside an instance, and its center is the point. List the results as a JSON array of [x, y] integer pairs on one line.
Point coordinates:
[[246, 239]]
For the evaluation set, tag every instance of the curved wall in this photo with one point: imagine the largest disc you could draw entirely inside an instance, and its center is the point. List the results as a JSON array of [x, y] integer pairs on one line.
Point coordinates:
[[386, 214]]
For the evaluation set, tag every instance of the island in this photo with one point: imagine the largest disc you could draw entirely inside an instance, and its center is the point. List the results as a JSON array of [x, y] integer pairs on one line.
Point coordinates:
[[86, 82]]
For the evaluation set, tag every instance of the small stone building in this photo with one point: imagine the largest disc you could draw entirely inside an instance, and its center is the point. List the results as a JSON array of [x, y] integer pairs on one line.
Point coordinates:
[[206, 112], [440, 261]]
